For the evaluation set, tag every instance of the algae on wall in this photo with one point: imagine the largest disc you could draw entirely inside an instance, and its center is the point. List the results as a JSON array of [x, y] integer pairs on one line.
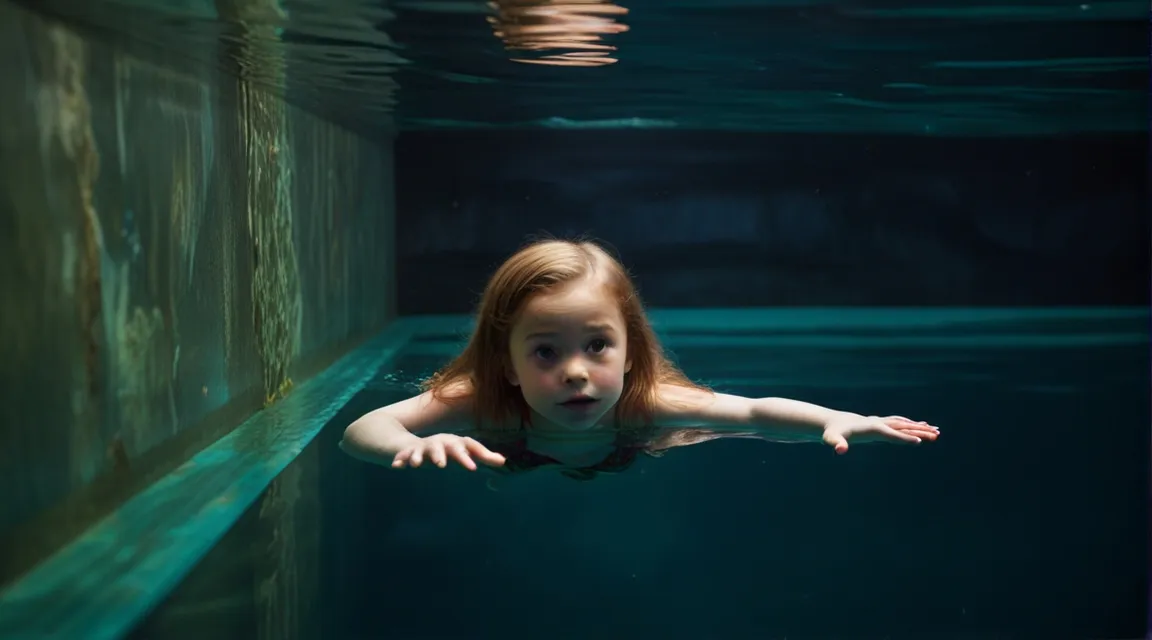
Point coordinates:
[[171, 256]]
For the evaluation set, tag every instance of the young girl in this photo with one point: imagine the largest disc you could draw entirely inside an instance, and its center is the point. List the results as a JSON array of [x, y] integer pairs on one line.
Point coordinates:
[[564, 370]]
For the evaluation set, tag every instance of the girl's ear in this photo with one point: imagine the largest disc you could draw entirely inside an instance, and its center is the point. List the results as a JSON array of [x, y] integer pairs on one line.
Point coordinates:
[[628, 365]]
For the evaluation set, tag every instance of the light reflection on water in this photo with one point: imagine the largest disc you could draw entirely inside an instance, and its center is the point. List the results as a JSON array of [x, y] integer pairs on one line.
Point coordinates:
[[966, 69], [567, 33]]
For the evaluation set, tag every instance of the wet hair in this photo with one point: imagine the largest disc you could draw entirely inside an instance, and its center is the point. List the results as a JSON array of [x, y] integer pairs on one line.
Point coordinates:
[[542, 266]]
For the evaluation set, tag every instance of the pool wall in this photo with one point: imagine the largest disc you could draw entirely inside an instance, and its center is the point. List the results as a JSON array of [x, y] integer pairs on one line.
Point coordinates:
[[178, 250], [736, 219]]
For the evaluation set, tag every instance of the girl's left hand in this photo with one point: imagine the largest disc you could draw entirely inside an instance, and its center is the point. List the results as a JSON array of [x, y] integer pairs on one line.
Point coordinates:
[[897, 429]]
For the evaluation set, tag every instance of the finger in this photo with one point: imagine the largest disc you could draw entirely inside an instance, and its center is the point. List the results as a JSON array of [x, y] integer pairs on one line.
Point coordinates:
[[436, 454], [902, 436], [898, 424], [903, 420], [918, 429], [457, 452], [837, 442], [484, 454], [922, 433], [417, 457], [902, 426], [401, 459]]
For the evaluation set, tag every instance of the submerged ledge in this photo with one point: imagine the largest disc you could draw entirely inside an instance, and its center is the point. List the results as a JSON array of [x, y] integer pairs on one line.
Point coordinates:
[[105, 581], [857, 329], [779, 321]]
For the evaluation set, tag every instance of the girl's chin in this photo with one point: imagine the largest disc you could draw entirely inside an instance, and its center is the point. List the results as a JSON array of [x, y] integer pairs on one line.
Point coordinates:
[[563, 422]]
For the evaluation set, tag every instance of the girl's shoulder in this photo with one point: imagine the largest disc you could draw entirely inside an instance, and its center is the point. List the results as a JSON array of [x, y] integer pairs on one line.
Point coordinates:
[[454, 392], [443, 408], [673, 401], [459, 400]]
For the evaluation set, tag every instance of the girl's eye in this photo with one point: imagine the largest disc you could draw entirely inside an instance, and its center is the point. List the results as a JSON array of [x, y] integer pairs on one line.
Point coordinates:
[[598, 345], [544, 353]]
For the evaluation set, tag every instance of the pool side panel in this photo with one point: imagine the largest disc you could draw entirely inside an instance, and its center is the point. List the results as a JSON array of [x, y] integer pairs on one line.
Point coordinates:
[[100, 585]]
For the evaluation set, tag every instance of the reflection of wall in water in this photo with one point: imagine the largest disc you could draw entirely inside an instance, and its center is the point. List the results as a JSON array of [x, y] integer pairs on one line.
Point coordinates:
[[176, 249], [722, 219]]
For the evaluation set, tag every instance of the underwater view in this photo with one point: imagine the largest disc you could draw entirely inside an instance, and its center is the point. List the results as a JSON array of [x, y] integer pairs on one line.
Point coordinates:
[[773, 319], [992, 532]]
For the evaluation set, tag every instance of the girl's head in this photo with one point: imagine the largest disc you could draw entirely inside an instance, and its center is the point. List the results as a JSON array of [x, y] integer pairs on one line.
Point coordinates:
[[561, 337]]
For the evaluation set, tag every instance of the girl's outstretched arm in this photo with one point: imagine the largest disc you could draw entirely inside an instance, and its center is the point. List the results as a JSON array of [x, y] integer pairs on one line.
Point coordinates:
[[784, 419], [380, 434], [387, 436]]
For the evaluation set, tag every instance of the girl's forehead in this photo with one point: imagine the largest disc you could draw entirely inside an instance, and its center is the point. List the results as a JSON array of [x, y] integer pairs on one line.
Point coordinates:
[[575, 297], [570, 306]]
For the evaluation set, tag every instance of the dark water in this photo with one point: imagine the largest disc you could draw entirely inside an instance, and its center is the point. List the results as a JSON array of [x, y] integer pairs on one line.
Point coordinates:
[[1025, 520], [1030, 67]]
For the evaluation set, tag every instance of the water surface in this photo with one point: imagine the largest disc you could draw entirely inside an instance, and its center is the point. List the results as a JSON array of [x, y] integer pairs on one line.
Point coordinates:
[[1031, 67]]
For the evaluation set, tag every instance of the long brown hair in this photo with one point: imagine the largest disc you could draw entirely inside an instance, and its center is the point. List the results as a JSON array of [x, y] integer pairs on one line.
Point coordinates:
[[540, 266]]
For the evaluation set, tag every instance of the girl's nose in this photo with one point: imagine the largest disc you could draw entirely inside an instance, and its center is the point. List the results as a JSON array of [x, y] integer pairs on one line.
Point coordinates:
[[575, 373]]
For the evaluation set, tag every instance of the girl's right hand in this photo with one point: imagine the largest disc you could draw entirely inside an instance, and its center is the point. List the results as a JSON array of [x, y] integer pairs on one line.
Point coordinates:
[[438, 448]]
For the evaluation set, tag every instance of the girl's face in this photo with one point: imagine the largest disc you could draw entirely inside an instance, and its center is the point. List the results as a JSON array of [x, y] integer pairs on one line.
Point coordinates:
[[569, 355]]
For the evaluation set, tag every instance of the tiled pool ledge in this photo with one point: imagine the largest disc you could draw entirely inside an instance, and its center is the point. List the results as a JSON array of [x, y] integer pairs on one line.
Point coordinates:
[[101, 584]]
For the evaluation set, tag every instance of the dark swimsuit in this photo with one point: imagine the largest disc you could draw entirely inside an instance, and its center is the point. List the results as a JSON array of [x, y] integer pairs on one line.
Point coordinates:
[[518, 457]]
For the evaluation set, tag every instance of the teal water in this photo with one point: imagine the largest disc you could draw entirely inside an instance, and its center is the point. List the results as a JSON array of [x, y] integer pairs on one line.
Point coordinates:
[[967, 68], [1023, 521]]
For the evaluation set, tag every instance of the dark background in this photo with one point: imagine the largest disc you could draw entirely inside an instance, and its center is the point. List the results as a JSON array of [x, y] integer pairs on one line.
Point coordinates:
[[739, 219]]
